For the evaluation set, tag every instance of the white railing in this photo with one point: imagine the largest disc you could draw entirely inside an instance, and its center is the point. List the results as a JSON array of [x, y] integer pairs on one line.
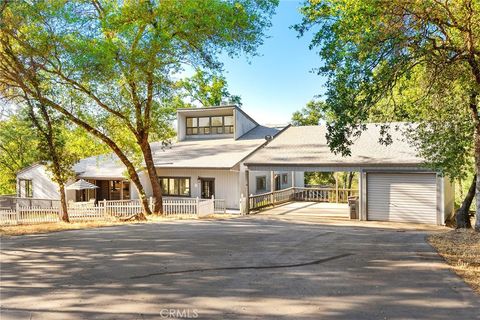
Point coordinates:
[[86, 214], [121, 208], [8, 216], [268, 199], [181, 206], [105, 210], [220, 206]]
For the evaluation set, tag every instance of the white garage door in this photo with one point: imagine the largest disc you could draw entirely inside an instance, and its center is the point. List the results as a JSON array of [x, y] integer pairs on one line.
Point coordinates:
[[402, 197]]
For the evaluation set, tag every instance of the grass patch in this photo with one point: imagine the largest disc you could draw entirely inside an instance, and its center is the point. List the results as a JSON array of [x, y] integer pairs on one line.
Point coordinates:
[[461, 249], [19, 230], [54, 226]]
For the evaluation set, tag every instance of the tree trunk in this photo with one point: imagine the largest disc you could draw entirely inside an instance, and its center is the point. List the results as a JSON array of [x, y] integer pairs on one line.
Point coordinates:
[[476, 121], [143, 197], [462, 216], [153, 177], [63, 203], [477, 193], [350, 180]]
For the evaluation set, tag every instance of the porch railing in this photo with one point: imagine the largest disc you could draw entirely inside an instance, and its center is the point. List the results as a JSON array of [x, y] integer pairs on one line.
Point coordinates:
[[259, 201]]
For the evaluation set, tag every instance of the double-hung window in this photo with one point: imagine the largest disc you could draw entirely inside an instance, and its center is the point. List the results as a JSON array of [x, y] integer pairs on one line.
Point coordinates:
[[261, 183]]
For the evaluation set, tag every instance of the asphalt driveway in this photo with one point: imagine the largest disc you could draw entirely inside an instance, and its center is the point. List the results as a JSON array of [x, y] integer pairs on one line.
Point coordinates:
[[257, 267]]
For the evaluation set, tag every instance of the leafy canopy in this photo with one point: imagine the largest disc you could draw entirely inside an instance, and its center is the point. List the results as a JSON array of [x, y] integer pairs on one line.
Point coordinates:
[[368, 46]]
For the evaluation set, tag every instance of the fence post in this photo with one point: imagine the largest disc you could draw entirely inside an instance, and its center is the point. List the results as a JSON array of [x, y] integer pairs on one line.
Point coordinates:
[[104, 207], [197, 205], [17, 212]]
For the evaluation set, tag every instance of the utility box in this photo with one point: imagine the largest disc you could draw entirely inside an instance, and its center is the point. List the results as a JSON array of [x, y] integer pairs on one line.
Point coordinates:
[[353, 204]]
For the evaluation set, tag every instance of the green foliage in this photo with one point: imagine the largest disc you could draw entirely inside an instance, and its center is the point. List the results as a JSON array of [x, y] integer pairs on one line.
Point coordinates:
[[310, 115], [325, 179], [369, 45], [18, 149], [442, 130], [208, 90], [401, 61], [113, 64]]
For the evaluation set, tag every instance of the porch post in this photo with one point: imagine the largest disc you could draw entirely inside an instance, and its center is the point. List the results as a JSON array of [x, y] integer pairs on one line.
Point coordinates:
[[247, 198], [293, 179], [121, 190], [272, 181], [336, 187]]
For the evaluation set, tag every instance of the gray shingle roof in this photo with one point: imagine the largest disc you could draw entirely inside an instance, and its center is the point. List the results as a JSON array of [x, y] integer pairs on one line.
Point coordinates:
[[211, 153], [201, 153], [307, 146]]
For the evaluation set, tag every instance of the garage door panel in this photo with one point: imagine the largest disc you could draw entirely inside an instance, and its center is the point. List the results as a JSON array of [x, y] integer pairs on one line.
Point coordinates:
[[401, 197]]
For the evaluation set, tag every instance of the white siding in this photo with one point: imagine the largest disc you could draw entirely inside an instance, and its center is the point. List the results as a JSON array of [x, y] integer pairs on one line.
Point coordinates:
[[243, 124], [226, 183], [402, 197], [299, 180], [43, 186]]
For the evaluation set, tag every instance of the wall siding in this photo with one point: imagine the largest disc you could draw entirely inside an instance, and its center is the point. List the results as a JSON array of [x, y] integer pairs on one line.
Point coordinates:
[[242, 124], [42, 184], [226, 183]]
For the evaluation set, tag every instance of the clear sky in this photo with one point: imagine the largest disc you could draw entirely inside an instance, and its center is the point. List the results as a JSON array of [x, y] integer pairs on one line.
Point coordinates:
[[279, 81]]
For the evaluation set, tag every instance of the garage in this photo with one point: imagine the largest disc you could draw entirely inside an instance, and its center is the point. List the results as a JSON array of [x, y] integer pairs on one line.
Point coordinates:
[[394, 183], [402, 197]]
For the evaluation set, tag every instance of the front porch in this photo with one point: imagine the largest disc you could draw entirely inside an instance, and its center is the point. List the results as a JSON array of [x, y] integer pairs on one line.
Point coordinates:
[[109, 190]]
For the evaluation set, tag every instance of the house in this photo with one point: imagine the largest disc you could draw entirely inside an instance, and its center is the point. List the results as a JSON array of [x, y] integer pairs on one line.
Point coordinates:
[[207, 160], [219, 148], [394, 183]]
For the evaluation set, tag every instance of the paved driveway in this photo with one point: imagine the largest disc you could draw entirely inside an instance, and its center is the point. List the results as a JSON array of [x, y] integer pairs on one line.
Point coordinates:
[[265, 266]]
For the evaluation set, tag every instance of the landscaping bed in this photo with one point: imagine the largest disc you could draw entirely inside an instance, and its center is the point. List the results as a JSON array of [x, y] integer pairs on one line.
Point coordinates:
[[461, 249]]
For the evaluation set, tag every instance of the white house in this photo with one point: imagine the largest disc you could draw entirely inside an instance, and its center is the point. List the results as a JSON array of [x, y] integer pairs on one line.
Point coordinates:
[[206, 160], [219, 147]]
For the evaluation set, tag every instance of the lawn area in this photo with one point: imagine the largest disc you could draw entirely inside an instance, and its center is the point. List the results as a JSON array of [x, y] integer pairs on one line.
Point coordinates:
[[55, 226], [61, 226], [461, 249]]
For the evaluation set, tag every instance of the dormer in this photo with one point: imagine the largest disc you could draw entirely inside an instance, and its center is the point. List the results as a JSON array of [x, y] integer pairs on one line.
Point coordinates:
[[213, 123]]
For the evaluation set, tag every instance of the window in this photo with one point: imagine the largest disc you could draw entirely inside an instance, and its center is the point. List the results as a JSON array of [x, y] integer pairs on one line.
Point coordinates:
[[210, 125], [261, 183], [26, 188], [179, 187], [115, 189], [284, 178]]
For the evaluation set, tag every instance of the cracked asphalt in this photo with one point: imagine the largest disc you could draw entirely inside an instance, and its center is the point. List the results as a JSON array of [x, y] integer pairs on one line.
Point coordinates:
[[269, 266]]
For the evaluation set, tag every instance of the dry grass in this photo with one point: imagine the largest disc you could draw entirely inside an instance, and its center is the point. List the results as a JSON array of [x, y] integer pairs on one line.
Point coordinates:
[[461, 249], [53, 227], [61, 226]]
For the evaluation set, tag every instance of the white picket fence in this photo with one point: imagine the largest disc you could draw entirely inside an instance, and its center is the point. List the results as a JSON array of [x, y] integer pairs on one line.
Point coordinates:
[[105, 210]]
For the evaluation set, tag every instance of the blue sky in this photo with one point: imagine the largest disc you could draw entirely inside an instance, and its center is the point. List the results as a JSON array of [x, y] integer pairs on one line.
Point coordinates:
[[279, 81]]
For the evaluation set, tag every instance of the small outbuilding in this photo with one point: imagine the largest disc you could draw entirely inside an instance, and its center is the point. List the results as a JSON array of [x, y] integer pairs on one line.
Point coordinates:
[[394, 183]]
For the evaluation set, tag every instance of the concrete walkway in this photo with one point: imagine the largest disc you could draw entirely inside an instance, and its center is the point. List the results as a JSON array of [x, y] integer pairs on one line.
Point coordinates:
[[266, 266]]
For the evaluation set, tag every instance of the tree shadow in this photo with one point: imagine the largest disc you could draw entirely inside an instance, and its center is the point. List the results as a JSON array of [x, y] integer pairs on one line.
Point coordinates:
[[236, 269]]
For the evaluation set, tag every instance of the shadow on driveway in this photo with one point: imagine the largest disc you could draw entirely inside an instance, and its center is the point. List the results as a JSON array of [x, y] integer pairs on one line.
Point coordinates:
[[246, 268]]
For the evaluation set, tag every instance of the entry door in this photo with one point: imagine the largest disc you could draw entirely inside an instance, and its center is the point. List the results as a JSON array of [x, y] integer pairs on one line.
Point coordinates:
[[207, 187], [402, 197], [278, 183]]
